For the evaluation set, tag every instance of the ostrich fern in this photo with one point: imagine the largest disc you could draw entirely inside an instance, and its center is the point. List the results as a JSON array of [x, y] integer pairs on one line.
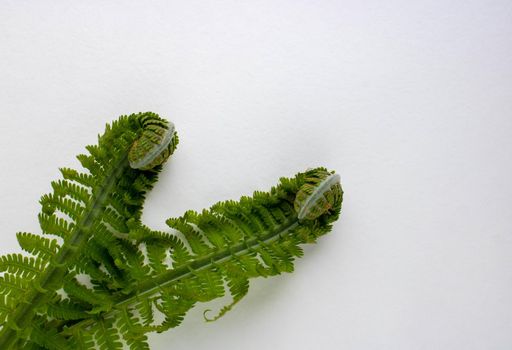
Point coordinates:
[[92, 232]]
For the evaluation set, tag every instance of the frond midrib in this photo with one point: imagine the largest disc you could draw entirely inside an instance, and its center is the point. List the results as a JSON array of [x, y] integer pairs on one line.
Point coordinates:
[[153, 285], [25, 312]]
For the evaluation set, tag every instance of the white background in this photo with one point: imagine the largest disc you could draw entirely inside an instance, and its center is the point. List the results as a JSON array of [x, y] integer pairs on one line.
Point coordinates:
[[410, 101]]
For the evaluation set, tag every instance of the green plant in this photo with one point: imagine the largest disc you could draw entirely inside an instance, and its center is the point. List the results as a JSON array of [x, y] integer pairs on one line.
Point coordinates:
[[99, 278]]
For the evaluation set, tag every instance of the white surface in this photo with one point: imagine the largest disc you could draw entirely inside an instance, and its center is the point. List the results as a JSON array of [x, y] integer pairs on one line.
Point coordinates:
[[410, 101]]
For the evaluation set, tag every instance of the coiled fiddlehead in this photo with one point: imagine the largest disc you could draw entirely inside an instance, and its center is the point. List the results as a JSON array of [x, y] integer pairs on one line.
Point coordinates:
[[321, 193], [154, 146]]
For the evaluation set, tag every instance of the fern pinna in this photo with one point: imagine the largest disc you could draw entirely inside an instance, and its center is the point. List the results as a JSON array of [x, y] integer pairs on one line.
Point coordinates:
[[100, 279]]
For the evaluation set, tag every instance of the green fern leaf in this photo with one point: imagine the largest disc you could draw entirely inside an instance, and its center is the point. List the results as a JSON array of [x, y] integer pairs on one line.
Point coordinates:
[[48, 339], [41, 247], [20, 265], [132, 331], [105, 279], [106, 335], [11, 284], [67, 310], [79, 205]]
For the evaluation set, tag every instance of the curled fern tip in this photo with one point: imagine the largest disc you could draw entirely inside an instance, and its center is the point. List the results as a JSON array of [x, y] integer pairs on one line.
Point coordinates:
[[155, 145]]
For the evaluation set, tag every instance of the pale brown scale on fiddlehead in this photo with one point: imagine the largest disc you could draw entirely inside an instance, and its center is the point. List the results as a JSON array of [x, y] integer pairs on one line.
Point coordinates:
[[321, 192], [156, 144]]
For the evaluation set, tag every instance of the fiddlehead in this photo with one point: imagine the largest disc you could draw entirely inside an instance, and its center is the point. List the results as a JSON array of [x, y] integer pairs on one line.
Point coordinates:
[[319, 194], [154, 146]]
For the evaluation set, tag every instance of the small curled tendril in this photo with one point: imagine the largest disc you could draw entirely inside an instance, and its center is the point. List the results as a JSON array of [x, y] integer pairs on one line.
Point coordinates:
[[221, 313], [156, 144], [206, 318], [321, 192]]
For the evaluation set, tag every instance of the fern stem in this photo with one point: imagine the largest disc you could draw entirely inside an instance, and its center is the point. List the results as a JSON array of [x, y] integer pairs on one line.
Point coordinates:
[[154, 285], [52, 277]]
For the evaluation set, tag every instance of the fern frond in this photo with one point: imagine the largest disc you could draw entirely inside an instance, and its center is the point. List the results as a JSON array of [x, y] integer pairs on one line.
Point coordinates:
[[223, 248], [85, 210], [102, 279]]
